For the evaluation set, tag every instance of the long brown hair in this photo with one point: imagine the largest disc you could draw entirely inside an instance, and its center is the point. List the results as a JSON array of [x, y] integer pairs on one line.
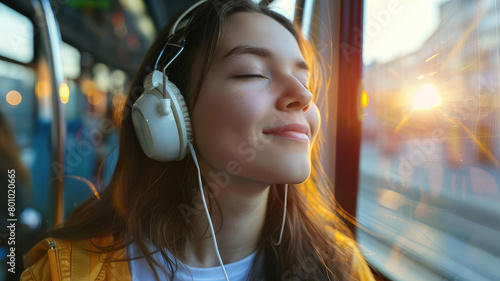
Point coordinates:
[[150, 201]]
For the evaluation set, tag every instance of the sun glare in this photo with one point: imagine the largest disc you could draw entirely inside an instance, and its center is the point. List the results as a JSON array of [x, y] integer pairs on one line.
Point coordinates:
[[426, 97]]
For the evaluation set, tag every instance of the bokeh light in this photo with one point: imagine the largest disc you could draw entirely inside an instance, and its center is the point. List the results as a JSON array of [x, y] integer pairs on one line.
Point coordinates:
[[14, 98], [95, 97], [365, 99], [64, 93]]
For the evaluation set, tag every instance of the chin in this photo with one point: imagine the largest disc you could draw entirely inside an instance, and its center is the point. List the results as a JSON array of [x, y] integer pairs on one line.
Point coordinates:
[[293, 174], [300, 178], [270, 168]]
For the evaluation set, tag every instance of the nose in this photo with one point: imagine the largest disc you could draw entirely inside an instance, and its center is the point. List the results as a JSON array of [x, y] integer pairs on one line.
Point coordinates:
[[294, 96]]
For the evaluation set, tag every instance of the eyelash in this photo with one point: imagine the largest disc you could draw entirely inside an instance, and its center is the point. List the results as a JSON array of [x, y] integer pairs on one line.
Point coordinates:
[[260, 76], [250, 76]]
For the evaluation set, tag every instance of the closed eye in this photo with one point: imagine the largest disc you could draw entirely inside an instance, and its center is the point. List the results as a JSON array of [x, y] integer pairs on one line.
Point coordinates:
[[243, 76], [250, 76]]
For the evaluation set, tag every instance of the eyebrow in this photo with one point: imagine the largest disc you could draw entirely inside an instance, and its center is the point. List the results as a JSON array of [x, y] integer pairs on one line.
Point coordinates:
[[261, 52]]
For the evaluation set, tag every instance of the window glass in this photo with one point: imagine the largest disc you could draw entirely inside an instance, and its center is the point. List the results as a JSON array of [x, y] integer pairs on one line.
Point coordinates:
[[18, 104], [71, 61], [16, 32], [429, 197], [284, 7]]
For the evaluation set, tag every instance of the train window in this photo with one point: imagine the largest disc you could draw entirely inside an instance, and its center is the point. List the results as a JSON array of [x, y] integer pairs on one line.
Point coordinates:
[[18, 105], [429, 167], [18, 81], [284, 7], [17, 39], [71, 58], [71, 61]]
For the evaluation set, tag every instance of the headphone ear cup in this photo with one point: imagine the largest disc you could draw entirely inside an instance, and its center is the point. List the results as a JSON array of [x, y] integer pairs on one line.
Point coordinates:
[[183, 119], [185, 114], [162, 126]]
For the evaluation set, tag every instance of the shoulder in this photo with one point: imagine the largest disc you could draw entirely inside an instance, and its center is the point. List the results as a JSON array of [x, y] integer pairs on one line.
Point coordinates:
[[56, 259]]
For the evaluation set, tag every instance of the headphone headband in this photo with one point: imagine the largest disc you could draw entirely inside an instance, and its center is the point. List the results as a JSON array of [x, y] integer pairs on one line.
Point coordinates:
[[160, 115], [181, 22]]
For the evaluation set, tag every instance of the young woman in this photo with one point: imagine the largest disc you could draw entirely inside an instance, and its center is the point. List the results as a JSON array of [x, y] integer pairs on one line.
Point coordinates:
[[247, 78]]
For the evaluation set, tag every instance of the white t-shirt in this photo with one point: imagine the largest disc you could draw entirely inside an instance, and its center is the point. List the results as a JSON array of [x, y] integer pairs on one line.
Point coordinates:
[[140, 270]]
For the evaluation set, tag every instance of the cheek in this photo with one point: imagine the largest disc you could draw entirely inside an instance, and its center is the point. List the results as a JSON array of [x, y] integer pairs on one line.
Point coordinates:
[[222, 120], [229, 111], [314, 118]]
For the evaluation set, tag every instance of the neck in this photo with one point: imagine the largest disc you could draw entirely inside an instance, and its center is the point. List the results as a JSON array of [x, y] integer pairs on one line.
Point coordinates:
[[238, 220]]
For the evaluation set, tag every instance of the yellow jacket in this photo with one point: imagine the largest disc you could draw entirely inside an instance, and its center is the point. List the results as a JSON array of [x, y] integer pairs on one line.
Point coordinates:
[[54, 259]]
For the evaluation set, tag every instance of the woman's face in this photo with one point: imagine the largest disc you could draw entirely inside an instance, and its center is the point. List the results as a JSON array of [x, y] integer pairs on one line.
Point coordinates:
[[256, 84]]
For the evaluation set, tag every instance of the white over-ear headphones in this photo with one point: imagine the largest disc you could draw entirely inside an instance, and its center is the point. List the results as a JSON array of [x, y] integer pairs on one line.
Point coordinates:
[[160, 115], [161, 119], [162, 124]]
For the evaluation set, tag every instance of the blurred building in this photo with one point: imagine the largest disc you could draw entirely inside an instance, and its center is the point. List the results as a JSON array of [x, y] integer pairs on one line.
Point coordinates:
[[461, 60]]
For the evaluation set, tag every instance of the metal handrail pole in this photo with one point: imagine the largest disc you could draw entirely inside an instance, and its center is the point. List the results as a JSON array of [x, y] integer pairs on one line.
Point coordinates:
[[51, 35]]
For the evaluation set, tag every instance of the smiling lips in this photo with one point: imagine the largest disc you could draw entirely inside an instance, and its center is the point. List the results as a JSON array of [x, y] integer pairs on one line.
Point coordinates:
[[294, 131]]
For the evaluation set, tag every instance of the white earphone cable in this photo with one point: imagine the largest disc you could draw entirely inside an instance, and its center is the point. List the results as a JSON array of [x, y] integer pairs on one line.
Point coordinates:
[[206, 211], [210, 219], [284, 217]]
